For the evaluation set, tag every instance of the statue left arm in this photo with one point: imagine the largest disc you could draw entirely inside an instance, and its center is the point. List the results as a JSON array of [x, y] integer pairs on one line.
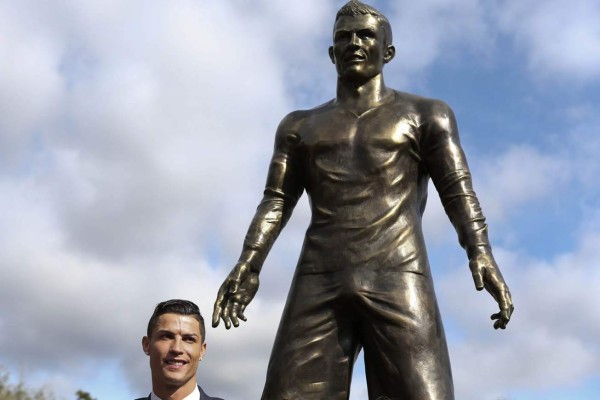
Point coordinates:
[[447, 165], [282, 191]]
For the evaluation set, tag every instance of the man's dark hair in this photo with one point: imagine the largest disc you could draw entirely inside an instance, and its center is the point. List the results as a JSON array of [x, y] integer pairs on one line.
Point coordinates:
[[355, 7], [176, 306]]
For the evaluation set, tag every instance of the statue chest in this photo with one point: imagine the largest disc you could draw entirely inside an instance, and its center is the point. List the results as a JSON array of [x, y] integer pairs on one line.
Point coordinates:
[[378, 142]]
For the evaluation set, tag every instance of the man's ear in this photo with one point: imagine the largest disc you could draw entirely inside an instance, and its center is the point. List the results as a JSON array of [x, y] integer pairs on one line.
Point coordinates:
[[202, 350], [390, 52], [146, 344], [331, 56]]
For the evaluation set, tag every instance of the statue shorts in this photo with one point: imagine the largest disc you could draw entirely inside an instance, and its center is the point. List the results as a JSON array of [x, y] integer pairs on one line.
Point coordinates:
[[392, 315]]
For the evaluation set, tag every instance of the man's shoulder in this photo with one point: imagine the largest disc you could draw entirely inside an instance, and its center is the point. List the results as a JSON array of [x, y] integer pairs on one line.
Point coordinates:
[[207, 397], [204, 396]]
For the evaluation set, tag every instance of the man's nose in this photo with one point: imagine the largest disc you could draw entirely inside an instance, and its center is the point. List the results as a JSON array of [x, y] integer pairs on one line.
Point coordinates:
[[354, 40], [176, 345]]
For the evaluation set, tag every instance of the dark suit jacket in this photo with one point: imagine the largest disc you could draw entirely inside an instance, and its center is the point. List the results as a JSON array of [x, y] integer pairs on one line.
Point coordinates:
[[203, 396]]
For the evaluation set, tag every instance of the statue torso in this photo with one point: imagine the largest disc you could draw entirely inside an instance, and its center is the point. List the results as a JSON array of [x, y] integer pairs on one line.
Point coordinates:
[[367, 185]]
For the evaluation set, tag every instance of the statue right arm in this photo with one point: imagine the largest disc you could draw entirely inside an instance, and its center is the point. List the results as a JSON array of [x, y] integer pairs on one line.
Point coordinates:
[[450, 174], [282, 191]]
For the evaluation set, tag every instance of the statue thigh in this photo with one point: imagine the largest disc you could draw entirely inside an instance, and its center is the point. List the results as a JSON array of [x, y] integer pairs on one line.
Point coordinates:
[[330, 316]]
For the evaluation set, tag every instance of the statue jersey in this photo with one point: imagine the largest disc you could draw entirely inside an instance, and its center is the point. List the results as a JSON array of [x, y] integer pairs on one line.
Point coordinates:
[[366, 177]]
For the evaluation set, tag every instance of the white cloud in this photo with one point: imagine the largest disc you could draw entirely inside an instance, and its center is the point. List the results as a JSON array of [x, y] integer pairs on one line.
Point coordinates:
[[30, 84], [151, 137], [67, 308], [560, 38], [427, 32], [521, 175], [505, 183], [156, 126], [551, 341]]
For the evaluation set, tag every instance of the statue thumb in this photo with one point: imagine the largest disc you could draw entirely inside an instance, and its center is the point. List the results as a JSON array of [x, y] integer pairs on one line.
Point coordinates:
[[478, 279]]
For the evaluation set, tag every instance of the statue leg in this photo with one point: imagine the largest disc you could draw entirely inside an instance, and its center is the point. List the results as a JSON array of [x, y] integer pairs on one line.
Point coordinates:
[[406, 357], [315, 347]]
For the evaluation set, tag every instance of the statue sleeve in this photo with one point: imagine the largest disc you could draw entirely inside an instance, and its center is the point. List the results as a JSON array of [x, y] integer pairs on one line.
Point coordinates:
[[282, 191], [447, 165]]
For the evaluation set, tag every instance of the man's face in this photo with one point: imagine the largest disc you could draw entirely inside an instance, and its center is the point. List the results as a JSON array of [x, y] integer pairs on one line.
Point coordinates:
[[175, 348], [359, 51]]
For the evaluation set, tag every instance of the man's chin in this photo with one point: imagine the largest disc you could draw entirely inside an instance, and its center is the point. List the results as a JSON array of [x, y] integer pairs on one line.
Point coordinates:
[[176, 378]]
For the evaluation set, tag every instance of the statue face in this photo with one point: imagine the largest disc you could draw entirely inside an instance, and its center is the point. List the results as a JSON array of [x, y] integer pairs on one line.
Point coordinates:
[[359, 50]]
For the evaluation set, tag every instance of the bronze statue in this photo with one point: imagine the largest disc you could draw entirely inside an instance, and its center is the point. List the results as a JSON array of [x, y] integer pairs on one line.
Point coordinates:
[[363, 278]]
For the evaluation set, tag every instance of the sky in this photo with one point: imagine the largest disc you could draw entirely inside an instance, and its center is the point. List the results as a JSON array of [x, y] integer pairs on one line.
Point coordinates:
[[134, 142]]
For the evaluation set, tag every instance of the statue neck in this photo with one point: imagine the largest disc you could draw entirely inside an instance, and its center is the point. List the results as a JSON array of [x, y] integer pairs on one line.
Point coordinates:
[[359, 97]]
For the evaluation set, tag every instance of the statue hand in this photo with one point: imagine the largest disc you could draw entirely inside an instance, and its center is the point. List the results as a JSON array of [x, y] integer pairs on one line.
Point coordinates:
[[236, 292], [486, 274]]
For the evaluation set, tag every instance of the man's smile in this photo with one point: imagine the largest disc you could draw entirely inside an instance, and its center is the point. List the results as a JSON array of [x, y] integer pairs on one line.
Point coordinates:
[[174, 363]]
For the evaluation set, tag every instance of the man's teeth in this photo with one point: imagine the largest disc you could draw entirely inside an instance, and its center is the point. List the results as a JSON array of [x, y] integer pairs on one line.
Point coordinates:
[[175, 362]]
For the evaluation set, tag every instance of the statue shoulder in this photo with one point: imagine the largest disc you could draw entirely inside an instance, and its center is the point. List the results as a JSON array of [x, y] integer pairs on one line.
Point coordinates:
[[428, 112], [425, 105], [296, 120]]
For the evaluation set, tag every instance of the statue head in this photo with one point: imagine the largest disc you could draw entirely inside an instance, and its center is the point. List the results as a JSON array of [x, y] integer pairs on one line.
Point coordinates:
[[362, 42]]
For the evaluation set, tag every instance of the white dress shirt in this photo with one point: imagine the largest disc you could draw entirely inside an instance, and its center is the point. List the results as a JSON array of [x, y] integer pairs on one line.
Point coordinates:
[[195, 395]]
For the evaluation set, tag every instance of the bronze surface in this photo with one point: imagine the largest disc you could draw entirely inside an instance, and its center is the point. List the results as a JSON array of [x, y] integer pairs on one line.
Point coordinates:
[[363, 278]]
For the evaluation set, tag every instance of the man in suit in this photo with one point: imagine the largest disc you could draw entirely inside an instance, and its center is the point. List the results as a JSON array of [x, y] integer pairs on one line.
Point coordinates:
[[175, 343]]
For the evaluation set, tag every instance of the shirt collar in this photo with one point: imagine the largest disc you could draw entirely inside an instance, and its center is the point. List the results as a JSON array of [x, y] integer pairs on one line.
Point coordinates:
[[195, 395]]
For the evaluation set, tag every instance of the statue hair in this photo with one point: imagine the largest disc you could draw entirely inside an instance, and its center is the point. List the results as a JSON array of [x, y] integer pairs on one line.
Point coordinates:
[[355, 7]]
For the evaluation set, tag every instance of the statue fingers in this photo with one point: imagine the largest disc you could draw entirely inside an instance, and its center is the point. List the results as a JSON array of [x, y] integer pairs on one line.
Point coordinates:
[[503, 316], [506, 306], [238, 305], [218, 308], [234, 314], [216, 317], [498, 321], [225, 314], [241, 312]]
